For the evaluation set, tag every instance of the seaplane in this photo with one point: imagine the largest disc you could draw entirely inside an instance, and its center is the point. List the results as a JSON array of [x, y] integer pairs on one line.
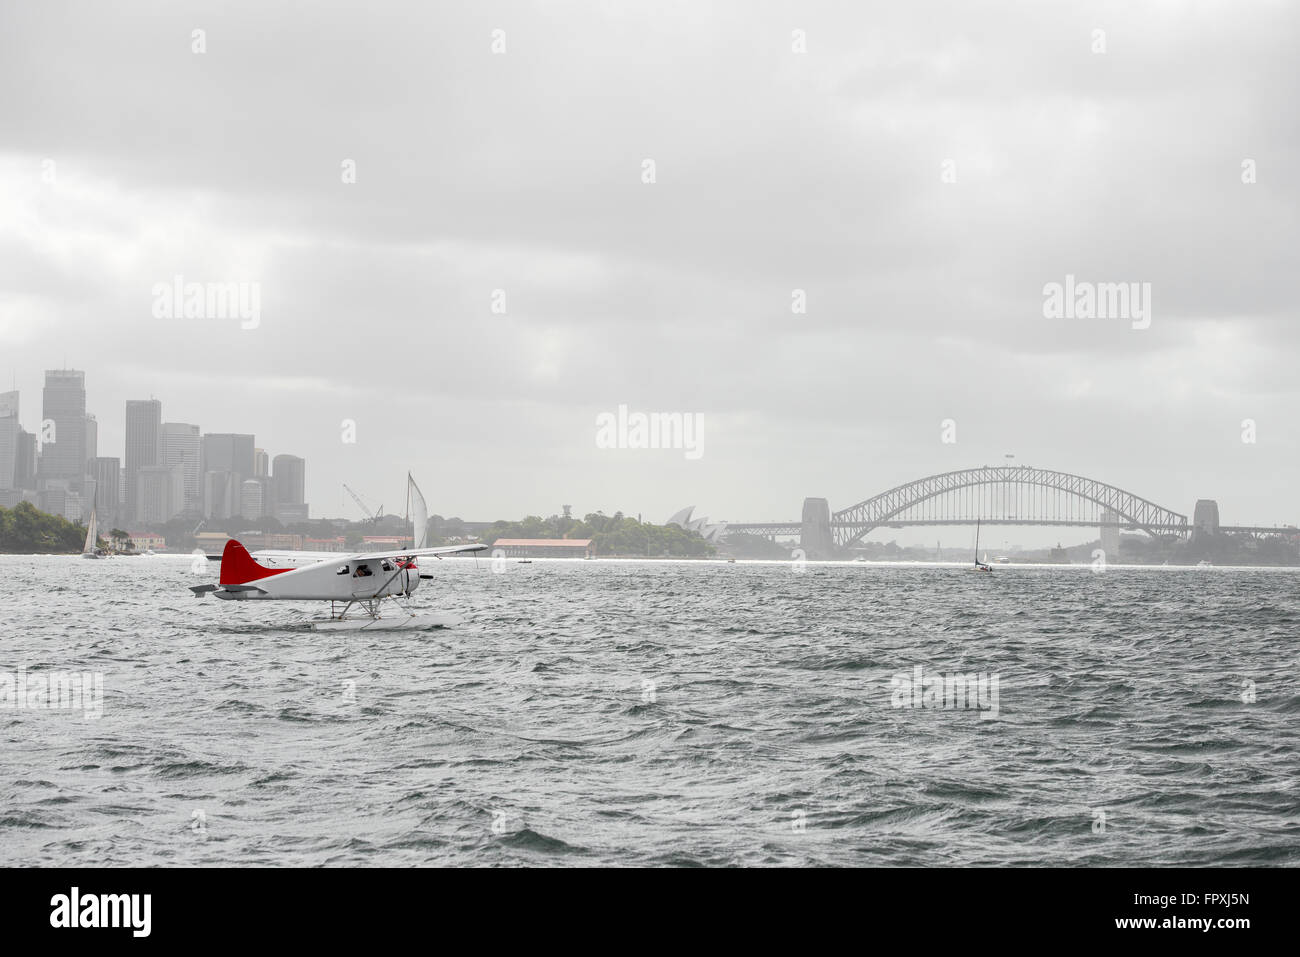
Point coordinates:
[[365, 590]]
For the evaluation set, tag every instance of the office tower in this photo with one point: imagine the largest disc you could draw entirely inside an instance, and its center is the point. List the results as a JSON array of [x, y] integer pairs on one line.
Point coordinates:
[[251, 498], [261, 465], [224, 451], [229, 453], [220, 494], [9, 429], [143, 445], [181, 446], [106, 474], [56, 498], [290, 480], [63, 427], [88, 492], [92, 438], [25, 460], [160, 493]]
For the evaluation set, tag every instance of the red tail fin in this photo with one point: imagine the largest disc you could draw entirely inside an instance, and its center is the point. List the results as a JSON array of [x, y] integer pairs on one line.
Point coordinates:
[[238, 567]]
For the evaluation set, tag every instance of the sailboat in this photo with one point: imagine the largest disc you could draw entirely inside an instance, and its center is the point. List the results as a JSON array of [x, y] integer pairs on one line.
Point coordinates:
[[980, 566], [90, 549]]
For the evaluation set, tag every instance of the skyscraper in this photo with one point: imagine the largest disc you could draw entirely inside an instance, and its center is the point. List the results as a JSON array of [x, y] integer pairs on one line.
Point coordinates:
[[160, 493], [221, 490], [225, 451], [290, 480], [25, 460], [63, 427], [252, 498], [92, 438], [9, 429], [261, 464], [181, 447], [232, 457], [143, 444], [106, 472]]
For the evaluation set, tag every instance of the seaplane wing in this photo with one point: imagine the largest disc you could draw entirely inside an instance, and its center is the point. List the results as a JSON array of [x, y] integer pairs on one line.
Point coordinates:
[[287, 559], [282, 559], [364, 576], [414, 552]]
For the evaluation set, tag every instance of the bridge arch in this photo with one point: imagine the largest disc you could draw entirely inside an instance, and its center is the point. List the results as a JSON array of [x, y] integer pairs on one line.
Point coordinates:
[[851, 524]]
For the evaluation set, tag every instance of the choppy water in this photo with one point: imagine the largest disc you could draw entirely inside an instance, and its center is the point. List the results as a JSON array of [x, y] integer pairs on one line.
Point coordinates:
[[660, 713]]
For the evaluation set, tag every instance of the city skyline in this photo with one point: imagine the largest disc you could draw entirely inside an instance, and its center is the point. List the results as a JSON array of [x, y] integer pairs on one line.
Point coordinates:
[[164, 470], [286, 485]]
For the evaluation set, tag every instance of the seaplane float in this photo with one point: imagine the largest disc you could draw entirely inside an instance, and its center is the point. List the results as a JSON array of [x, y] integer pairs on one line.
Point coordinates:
[[366, 591]]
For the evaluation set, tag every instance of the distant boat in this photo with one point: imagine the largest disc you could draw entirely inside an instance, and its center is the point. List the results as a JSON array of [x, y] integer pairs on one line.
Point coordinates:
[[980, 566], [90, 549]]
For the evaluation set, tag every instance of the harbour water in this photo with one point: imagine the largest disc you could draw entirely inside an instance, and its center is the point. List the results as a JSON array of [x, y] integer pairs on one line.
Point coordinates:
[[659, 713]]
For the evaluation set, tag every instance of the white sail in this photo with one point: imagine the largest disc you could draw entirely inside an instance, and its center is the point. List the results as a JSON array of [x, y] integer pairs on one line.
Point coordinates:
[[419, 513], [92, 535]]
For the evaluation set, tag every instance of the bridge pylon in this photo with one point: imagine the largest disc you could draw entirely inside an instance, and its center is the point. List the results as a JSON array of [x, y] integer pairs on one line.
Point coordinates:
[[815, 536]]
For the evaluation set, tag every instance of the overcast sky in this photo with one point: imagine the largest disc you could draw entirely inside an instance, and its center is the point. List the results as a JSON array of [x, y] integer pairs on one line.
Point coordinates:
[[775, 170]]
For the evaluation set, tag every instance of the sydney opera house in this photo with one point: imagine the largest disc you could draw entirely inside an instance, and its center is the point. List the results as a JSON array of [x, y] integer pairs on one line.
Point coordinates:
[[710, 532]]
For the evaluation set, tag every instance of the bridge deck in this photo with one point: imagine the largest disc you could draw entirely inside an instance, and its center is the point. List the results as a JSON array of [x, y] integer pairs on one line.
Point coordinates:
[[784, 528]]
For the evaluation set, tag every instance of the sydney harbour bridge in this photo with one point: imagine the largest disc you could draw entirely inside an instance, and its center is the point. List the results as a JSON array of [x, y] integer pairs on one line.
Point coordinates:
[[992, 495]]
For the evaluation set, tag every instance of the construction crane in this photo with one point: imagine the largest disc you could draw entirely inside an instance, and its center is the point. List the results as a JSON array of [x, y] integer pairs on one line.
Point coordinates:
[[371, 517]]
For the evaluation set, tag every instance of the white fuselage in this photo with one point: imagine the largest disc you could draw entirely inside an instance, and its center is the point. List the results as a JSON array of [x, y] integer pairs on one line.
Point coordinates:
[[348, 579]]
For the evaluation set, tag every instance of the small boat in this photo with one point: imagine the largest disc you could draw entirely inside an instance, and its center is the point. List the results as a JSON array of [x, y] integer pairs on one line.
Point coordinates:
[[980, 566], [525, 561], [91, 548]]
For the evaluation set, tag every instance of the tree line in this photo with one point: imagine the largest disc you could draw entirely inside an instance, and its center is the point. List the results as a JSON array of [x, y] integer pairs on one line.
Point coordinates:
[[616, 534], [25, 530]]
